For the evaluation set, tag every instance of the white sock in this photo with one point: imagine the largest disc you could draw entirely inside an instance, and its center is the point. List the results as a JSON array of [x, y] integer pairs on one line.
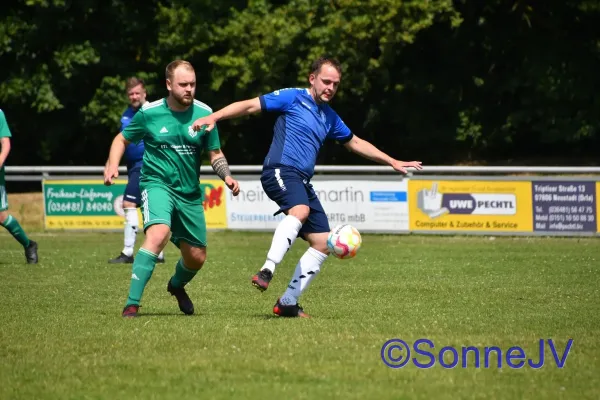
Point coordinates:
[[131, 229], [283, 239], [308, 267]]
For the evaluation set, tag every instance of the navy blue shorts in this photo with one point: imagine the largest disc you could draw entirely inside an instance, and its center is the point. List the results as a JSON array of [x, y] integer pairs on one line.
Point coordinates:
[[132, 191], [287, 188]]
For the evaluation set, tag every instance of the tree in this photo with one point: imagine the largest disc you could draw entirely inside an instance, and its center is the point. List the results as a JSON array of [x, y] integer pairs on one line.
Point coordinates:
[[445, 81]]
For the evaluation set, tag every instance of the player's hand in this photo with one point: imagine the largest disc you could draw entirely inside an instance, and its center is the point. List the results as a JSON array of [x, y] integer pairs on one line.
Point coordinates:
[[233, 185], [401, 166], [208, 122], [110, 172]]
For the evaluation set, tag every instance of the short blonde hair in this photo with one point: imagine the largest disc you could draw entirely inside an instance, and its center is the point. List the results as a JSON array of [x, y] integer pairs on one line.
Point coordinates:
[[173, 65]]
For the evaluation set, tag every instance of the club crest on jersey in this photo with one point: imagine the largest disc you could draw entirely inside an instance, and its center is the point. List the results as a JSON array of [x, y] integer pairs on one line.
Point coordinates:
[[322, 115], [192, 132]]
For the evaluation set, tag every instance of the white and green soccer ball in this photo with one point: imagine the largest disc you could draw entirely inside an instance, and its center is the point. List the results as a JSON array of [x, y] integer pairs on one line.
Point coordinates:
[[344, 241]]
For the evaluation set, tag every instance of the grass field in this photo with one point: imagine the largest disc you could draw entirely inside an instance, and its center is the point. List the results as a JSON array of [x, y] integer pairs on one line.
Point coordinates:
[[62, 337]]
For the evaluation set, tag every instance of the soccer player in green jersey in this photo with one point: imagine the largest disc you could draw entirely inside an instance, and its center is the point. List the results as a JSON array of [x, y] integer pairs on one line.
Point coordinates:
[[171, 196], [9, 222]]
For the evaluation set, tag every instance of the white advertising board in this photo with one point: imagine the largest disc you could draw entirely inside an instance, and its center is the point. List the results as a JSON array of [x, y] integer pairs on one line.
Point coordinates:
[[369, 205]]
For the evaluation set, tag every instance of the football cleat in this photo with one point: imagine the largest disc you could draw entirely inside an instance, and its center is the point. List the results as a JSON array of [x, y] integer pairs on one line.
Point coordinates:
[[31, 254], [261, 279], [185, 303], [121, 259], [289, 311], [130, 311]]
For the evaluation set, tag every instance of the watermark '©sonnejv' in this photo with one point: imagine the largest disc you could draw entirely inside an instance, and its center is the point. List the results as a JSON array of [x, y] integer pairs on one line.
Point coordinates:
[[396, 353]]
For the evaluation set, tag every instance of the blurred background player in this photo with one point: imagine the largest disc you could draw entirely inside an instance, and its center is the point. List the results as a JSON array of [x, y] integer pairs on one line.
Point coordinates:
[[9, 222], [171, 194], [134, 155], [306, 120]]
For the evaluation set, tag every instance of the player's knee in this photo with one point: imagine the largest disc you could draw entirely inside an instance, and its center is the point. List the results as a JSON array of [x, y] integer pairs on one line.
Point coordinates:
[[157, 237], [196, 262], [322, 247], [318, 241], [194, 257], [3, 216], [300, 211], [129, 204]]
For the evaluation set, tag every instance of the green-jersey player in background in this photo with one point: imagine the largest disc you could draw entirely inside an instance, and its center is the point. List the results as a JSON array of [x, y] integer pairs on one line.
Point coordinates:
[[6, 220], [171, 196]]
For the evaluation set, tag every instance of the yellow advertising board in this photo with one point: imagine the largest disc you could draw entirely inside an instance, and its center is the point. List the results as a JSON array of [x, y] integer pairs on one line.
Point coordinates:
[[215, 207], [89, 205], [486, 206]]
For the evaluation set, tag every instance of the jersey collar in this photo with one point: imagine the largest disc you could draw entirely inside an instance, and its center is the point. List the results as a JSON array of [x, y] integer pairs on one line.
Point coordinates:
[[320, 107]]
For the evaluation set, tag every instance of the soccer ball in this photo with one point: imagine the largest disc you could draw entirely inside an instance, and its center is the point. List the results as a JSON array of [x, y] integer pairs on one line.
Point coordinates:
[[344, 241]]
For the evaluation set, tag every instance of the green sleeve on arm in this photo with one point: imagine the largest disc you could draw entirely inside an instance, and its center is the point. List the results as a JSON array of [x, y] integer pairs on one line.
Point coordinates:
[[212, 139], [136, 130], [4, 130]]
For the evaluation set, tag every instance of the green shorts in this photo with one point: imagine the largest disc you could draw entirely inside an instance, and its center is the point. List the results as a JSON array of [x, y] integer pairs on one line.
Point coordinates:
[[185, 216], [3, 198]]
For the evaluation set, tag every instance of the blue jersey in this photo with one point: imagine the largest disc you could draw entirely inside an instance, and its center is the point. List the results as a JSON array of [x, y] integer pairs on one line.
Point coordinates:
[[301, 129], [134, 153]]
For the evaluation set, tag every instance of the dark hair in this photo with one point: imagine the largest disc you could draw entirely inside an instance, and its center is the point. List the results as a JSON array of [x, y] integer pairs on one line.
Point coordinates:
[[315, 67], [133, 82], [173, 66]]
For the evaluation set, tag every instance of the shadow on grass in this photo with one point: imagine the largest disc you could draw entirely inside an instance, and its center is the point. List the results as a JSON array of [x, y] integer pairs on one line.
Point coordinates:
[[166, 314], [273, 316], [267, 316]]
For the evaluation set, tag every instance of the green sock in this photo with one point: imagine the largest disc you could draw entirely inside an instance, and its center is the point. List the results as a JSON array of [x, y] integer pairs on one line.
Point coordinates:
[[12, 225], [143, 266], [182, 275]]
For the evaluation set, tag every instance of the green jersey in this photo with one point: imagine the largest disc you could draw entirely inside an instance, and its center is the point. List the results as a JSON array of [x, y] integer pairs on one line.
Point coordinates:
[[4, 132], [173, 149]]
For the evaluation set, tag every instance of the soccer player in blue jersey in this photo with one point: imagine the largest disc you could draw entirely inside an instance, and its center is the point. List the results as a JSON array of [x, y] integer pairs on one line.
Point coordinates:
[[134, 154], [306, 120]]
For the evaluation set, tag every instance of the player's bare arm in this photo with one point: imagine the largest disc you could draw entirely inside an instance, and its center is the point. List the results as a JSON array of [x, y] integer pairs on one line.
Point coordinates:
[[368, 151], [117, 149], [5, 144], [234, 110], [221, 167]]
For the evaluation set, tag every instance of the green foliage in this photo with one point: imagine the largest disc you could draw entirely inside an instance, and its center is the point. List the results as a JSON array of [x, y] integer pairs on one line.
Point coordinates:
[[109, 100], [72, 55], [259, 54], [449, 79], [35, 89]]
